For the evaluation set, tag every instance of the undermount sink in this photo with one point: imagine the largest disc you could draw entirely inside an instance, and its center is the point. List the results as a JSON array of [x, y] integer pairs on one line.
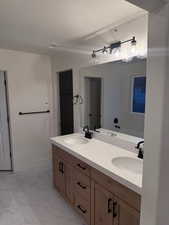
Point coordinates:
[[129, 164], [75, 140]]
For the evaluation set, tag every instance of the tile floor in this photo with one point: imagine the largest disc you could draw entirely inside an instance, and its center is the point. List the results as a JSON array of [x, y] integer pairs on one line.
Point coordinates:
[[29, 199]]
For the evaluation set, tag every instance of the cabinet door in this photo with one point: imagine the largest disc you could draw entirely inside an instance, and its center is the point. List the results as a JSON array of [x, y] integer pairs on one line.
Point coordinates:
[[124, 214], [69, 184], [59, 175], [103, 206]]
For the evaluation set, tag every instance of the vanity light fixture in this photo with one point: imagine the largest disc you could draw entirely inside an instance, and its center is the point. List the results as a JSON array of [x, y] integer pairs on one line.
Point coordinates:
[[104, 50], [114, 45]]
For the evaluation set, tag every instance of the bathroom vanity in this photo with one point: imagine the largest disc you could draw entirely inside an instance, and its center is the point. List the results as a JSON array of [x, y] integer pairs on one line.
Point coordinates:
[[96, 178]]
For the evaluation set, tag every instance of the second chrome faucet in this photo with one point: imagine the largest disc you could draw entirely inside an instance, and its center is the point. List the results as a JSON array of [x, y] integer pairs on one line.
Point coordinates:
[[140, 147]]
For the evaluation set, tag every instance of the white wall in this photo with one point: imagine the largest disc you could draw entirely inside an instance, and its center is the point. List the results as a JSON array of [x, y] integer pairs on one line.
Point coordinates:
[[67, 60], [61, 62], [155, 197], [116, 91], [29, 86]]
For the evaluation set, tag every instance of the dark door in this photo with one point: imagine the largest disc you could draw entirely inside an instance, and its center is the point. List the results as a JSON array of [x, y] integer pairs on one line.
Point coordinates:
[[66, 102]]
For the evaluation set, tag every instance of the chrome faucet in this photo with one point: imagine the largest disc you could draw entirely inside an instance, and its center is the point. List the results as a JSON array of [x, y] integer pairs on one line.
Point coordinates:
[[141, 151]]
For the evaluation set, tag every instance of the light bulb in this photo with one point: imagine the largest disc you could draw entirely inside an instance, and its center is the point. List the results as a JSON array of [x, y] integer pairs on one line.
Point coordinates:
[[133, 46], [117, 53], [133, 49]]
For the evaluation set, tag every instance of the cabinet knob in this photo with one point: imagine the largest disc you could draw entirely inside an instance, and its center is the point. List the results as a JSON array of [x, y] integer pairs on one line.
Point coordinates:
[[61, 167]]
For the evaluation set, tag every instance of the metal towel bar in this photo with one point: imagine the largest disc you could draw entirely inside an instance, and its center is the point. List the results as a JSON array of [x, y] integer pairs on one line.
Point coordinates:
[[38, 112]]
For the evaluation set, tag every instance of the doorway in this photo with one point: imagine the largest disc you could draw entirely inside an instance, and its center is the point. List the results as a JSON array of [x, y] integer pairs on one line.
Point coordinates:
[[93, 102], [5, 147], [66, 102]]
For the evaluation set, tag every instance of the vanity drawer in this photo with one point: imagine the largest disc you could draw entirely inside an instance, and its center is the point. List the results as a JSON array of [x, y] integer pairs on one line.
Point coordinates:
[[81, 185], [75, 162], [83, 207], [122, 192], [82, 167]]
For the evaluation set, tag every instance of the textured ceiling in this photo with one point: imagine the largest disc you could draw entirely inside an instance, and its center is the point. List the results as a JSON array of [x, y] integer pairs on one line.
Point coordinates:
[[32, 25]]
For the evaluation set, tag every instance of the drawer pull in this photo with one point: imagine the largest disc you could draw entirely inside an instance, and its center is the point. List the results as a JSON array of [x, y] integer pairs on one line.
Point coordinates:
[[81, 167], [61, 167], [110, 201], [114, 209], [82, 186], [82, 210]]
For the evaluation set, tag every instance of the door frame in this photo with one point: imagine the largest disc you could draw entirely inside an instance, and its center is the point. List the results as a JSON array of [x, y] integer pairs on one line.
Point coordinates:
[[9, 122], [82, 92], [88, 93]]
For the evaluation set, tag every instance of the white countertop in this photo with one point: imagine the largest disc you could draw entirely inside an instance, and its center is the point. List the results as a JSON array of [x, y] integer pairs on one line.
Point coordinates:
[[99, 155], [122, 136]]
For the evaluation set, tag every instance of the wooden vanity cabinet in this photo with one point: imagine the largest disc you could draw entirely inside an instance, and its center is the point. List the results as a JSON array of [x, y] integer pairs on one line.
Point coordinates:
[[97, 197]]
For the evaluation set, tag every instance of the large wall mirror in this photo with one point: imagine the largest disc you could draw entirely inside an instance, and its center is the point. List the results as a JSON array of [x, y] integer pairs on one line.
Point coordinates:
[[114, 96]]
